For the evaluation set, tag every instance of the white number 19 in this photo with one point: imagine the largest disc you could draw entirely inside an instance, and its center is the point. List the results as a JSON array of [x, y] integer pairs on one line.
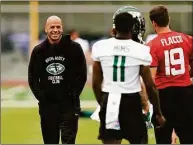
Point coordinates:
[[169, 59]]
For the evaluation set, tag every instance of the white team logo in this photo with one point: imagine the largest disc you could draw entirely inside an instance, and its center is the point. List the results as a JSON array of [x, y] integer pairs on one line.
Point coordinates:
[[55, 68]]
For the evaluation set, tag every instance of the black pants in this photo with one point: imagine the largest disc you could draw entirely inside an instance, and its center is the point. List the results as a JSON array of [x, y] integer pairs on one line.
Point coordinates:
[[55, 123], [132, 124], [177, 107]]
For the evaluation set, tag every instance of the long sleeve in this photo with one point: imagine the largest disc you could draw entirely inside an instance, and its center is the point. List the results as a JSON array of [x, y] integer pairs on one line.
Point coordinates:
[[34, 76], [79, 78]]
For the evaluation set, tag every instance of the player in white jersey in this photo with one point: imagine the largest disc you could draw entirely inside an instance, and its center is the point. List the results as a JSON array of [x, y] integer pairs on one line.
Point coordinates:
[[118, 64], [137, 34]]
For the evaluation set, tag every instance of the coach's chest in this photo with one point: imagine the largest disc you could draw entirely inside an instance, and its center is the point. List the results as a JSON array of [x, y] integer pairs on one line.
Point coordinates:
[[57, 65]]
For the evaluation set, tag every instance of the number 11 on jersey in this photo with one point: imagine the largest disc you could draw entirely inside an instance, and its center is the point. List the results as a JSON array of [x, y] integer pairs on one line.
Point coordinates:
[[116, 68]]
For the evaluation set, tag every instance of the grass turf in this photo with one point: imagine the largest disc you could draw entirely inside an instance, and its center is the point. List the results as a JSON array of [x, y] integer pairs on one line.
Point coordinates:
[[26, 94], [87, 94], [22, 126]]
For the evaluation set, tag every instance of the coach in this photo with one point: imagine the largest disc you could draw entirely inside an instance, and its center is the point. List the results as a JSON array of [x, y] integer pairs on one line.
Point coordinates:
[[56, 76]]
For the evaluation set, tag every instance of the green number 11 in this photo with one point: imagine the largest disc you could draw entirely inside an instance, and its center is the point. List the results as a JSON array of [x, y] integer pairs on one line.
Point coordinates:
[[122, 68]]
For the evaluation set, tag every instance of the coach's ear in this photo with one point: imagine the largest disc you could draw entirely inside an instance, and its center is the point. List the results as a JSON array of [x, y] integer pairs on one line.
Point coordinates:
[[45, 29]]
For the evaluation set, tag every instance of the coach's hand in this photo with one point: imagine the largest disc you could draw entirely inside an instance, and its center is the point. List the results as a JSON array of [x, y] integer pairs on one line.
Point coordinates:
[[160, 120], [174, 138]]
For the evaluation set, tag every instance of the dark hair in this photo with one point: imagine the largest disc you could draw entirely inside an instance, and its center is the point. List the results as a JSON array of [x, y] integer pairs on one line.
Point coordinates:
[[159, 15], [71, 31], [124, 22]]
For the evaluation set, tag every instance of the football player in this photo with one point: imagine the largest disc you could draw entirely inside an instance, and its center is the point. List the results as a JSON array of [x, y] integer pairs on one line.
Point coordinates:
[[118, 64], [172, 54]]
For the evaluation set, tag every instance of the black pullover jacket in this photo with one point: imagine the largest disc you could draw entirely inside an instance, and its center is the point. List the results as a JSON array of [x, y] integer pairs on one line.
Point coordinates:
[[57, 73]]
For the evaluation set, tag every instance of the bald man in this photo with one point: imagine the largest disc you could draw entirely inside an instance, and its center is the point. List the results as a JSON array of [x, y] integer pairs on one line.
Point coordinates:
[[53, 29], [56, 76]]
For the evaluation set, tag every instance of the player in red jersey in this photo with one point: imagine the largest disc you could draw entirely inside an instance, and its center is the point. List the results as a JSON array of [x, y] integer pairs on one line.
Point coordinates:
[[172, 55]]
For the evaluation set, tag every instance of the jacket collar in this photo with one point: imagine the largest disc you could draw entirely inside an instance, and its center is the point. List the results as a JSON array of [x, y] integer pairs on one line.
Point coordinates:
[[65, 38]]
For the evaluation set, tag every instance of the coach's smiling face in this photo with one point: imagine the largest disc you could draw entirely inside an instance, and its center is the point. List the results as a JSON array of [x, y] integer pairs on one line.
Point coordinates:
[[54, 29]]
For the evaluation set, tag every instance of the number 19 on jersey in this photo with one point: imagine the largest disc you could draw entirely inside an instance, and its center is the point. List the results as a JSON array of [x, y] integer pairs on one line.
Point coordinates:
[[170, 59]]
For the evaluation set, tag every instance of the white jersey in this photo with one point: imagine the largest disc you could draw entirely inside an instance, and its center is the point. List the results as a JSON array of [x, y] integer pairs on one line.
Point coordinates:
[[150, 37], [120, 61]]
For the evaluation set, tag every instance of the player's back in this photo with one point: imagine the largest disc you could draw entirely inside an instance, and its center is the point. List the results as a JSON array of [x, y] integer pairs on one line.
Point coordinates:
[[171, 53], [120, 61]]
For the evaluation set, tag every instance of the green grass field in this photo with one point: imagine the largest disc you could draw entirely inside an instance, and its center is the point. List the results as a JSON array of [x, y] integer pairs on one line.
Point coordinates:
[[87, 94], [24, 93], [22, 126]]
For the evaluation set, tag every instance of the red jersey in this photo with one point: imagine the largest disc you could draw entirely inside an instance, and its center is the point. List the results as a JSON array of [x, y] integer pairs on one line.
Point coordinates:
[[171, 54]]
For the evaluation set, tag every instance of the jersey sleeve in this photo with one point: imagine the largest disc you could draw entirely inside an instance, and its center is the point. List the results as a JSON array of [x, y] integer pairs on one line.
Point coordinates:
[[147, 57], [153, 53], [95, 50]]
